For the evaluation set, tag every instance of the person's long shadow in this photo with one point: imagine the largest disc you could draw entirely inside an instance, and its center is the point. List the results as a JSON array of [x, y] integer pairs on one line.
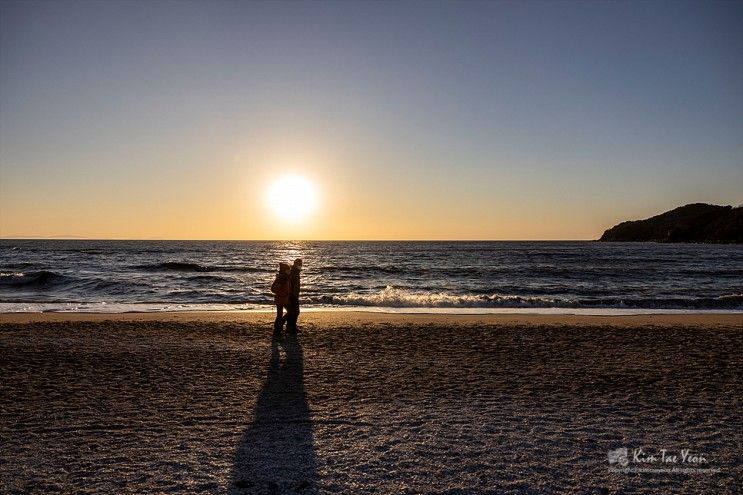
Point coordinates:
[[276, 453]]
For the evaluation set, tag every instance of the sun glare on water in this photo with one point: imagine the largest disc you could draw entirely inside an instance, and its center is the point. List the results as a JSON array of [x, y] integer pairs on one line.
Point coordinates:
[[292, 197]]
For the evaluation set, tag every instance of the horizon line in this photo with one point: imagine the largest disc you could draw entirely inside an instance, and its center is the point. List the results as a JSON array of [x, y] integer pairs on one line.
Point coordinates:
[[21, 238]]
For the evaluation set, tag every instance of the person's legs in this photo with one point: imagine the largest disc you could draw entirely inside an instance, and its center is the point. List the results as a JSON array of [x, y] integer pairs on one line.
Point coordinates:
[[280, 318], [291, 318]]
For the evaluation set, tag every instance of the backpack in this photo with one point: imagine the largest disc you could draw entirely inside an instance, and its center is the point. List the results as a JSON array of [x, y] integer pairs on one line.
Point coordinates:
[[280, 285]]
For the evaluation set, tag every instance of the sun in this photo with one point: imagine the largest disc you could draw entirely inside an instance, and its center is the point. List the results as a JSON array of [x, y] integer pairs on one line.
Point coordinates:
[[291, 197]]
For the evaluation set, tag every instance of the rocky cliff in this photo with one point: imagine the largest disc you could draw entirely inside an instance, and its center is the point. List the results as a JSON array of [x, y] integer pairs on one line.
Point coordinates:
[[696, 222]]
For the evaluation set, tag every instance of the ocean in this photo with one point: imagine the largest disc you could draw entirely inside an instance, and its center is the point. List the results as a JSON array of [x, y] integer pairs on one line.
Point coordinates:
[[449, 277]]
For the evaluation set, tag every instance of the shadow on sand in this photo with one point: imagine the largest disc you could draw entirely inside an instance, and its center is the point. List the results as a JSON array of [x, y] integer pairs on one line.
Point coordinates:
[[276, 453]]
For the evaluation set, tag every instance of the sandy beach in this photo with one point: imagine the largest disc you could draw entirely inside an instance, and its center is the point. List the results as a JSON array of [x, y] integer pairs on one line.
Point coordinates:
[[368, 403]]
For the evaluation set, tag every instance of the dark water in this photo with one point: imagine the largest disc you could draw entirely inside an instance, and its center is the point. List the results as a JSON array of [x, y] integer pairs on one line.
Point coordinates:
[[155, 275]]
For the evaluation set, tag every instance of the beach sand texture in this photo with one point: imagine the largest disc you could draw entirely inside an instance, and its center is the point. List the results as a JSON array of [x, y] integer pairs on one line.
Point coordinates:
[[365, 403]]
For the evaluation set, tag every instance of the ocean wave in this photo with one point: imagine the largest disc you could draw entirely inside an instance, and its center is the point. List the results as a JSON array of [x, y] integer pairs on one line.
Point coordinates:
[[83, 251], [185, 266], [391, 297], [365, 271], [562, 272], [210, 279], [245, 269], [177, 266], [41, 278], [402, 298], [362, 269]]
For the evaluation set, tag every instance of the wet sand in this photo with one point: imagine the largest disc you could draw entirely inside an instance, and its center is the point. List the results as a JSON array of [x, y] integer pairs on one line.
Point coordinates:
[[366, 403]]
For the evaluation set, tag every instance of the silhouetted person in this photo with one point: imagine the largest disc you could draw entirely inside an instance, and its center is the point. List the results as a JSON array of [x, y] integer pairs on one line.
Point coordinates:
[[291, 319], [281, 289]]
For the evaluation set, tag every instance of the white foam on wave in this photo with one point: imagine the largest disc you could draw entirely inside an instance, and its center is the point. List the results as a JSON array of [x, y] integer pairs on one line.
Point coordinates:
[[401, 298], [391, 297]]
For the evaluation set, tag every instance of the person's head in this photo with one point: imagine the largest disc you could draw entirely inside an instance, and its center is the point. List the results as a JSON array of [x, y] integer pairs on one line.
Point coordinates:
[[284, 267], [298, 263]]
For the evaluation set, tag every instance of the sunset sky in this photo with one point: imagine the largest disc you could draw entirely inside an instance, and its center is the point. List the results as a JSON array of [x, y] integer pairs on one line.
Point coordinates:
[[411, 120]]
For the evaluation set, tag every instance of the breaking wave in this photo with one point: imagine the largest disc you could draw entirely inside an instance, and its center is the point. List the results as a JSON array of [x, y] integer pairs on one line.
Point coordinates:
[[391, 297]]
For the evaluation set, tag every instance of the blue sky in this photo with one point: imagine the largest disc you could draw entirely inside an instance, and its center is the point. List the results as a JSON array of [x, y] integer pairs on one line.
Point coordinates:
[[489, 120]]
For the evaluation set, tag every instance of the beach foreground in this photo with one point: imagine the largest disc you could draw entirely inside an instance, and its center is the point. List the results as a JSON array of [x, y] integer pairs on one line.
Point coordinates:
[[367, 403]]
